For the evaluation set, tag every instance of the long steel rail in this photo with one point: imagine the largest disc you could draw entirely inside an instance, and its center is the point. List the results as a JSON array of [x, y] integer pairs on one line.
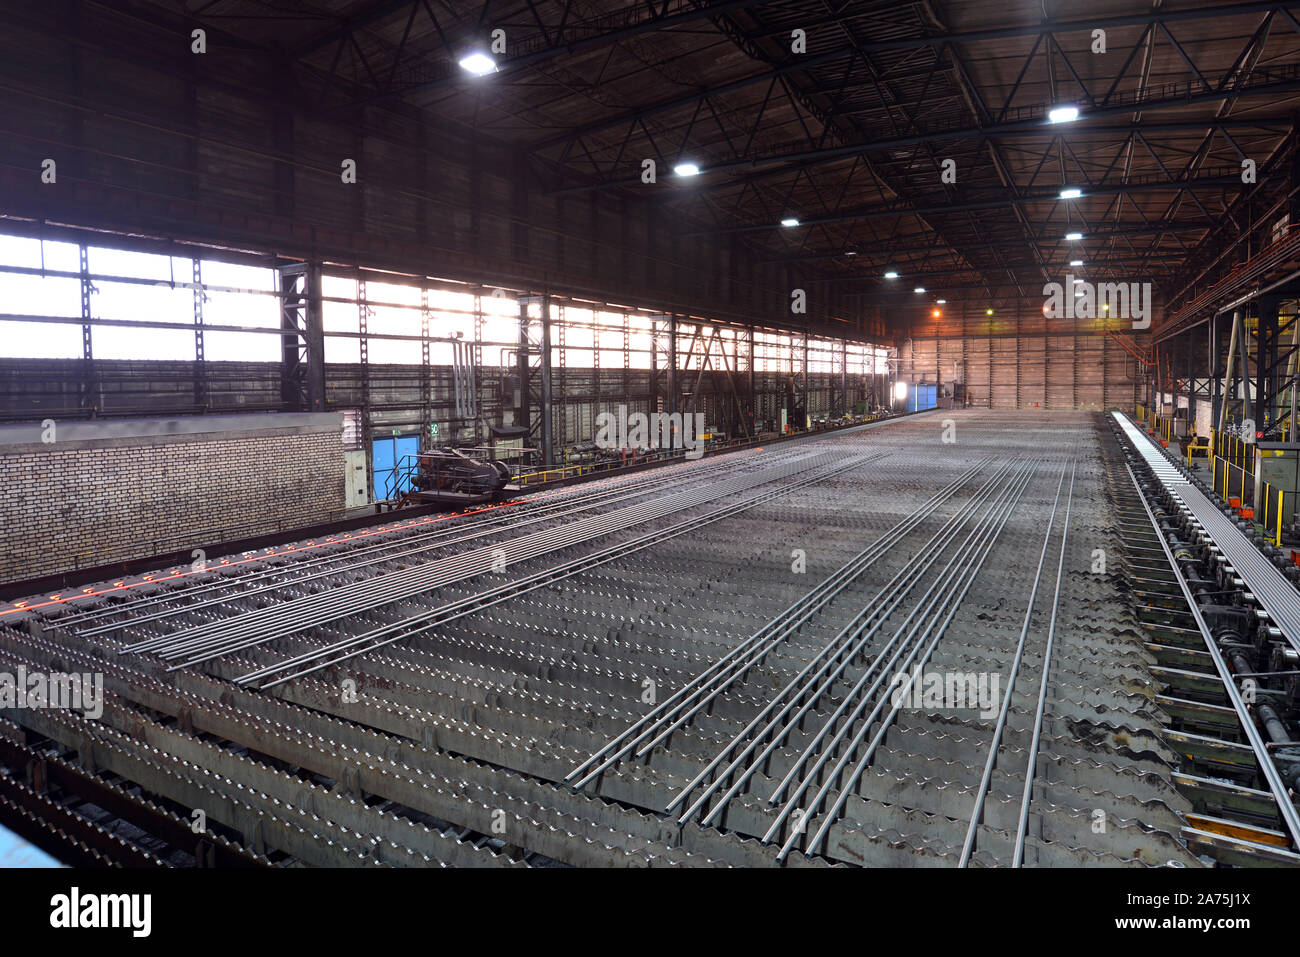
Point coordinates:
[[1278, 788], [338, 652], [324, 566], [262, 625], [968, 561], [681, 473], [1277, 595], [1022, 825], [685, 703], [981, 792], [819, 675]]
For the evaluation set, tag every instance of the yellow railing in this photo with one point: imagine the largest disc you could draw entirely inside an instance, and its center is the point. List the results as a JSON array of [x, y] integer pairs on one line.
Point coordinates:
[[1231, 462], [1225, 445], [553, 474]]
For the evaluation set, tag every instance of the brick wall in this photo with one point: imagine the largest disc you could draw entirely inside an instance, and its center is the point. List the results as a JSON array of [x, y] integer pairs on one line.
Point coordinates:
[[77, 503]]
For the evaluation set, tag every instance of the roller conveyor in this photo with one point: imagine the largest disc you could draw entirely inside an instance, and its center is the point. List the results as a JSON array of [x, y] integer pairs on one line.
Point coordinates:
[[1276, 595]]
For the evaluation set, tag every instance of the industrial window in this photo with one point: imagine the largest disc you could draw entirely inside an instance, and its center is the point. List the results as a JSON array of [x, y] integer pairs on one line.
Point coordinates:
[[134, 299]]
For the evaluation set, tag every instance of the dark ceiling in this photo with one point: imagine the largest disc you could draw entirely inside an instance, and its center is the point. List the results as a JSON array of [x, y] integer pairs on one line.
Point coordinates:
[[851, 136]]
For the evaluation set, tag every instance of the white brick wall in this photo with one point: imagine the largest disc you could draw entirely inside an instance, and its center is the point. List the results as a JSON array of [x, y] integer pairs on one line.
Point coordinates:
[[79, 506]]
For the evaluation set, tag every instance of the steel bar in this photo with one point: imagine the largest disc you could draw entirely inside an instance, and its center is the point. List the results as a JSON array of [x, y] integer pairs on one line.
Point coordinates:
[[996, 740], [970, 569], [686, 701], [1032, 757], [842, 649]]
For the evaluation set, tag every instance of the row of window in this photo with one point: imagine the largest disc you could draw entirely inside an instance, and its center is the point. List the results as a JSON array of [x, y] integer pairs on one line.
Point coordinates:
[[133, 287]]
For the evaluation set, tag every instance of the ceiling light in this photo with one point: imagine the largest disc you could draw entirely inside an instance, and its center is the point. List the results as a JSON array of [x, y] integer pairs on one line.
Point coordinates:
[[1063, 114], [988, 312], [789, 221], [1071, 193], [891, 275], [919, 289], [1078, 282], [1076, 262], [478, 63], [1073, 237], [850, 252], [942, 302], [686, 169], [936, 313]]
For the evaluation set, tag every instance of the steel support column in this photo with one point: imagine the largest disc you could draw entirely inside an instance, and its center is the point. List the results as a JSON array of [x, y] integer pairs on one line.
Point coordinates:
[[1212, 364], [89, 399], [523, 414], [548, 437], [302, 343], [1266, 364], [200, 360]]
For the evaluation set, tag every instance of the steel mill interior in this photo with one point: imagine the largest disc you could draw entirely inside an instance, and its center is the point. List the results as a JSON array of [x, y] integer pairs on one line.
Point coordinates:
[[687, 433]]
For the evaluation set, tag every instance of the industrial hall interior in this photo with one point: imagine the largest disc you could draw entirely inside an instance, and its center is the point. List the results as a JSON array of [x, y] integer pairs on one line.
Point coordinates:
[[850, 434]]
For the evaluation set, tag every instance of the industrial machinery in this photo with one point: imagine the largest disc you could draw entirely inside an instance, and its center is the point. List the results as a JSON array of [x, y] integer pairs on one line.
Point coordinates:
[[449, 476], [1262, 659]]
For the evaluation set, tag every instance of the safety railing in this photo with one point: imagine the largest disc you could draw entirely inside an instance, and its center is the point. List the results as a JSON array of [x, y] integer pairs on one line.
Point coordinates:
[[1270, 511], [1230, 446], [402, 478], [1160, 427], [1236, 486]]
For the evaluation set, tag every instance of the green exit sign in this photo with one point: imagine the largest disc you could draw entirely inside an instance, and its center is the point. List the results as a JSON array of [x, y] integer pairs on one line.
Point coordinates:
[[433, 429]]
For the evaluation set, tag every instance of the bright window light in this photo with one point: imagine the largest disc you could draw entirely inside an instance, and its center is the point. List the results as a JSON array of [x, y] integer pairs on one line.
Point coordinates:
[[900, 391], [1071, 193], [891, 275], [1063, 114], [686, 169], [789, 221], [1073, 237], [478, 63]]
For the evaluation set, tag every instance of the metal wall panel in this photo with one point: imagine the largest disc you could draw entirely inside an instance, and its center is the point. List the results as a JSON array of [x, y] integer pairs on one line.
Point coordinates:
[[1086, 371]]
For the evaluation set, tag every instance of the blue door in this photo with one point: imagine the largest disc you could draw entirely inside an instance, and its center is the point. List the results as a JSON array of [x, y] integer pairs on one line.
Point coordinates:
[[388, 455]]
